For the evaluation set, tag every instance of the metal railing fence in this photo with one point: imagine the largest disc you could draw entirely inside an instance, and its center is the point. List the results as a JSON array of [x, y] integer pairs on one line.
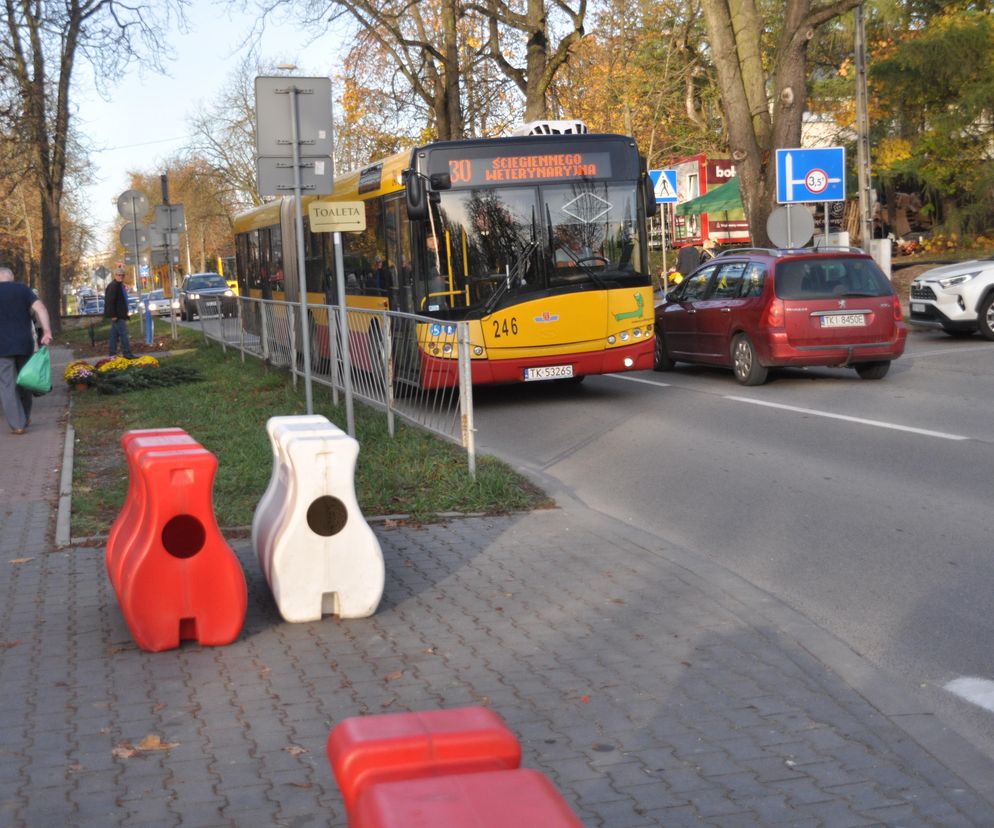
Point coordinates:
[[386, 365]]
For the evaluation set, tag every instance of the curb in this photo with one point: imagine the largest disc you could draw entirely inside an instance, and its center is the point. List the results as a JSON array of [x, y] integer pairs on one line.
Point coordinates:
[[62, 519]]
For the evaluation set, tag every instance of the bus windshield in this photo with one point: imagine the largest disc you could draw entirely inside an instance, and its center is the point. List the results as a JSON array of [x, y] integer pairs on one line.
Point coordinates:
[[504, 243]]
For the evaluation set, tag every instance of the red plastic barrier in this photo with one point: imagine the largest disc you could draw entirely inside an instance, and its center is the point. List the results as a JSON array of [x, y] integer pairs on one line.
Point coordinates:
[[135, 443], [178, 579], [495, 799], [368, 750]]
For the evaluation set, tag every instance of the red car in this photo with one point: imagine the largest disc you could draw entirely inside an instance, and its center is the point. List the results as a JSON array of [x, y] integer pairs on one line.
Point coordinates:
[[753, 309]]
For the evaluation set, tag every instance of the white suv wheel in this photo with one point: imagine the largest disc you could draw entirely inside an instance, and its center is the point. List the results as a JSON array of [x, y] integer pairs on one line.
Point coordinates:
[[985, 322]]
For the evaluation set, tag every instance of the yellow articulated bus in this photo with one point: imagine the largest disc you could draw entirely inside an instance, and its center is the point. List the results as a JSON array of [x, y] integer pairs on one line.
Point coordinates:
[[538, 242]]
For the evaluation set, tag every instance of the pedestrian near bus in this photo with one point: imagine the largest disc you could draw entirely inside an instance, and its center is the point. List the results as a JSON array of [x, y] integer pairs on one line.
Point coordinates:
[[17, 344], [116, 310], [688, 258]]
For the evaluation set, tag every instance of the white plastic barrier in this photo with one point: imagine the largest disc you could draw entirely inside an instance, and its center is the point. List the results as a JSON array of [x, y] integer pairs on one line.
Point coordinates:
[[314, 546], [270, 508]]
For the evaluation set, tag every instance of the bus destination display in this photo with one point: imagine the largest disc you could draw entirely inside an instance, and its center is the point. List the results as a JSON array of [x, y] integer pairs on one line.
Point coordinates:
[[516, 169]]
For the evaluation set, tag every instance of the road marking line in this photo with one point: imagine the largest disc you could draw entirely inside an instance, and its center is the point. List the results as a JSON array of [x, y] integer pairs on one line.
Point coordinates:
[[978, 691], [643, 381], [877, 423], [947, 352]]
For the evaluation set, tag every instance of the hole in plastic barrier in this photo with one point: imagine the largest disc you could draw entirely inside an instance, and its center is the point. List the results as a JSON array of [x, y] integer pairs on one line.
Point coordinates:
[[183, 536], [327, 516]]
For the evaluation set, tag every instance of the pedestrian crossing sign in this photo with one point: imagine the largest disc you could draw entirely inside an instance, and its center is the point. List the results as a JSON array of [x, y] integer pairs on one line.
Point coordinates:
[[664, 185]]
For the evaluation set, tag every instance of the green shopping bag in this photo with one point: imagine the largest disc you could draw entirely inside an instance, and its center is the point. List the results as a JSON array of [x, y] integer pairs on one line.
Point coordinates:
[[36, 375]]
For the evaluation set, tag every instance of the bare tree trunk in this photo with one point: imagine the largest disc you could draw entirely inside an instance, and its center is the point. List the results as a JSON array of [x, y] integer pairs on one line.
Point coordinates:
[[541, 61], [536, 56], [451, 71], [736, 29], [737, 78], [50, 278]]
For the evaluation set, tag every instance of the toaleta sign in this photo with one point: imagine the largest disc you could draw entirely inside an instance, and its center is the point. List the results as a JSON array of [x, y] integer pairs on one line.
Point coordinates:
[[337, 216]]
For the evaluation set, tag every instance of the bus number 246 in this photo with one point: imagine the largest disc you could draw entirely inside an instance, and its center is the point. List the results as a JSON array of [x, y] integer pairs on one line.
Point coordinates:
[[504, 328]]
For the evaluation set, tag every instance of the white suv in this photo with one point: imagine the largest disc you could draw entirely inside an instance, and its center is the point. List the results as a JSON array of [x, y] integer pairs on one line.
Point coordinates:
[[959, 298]]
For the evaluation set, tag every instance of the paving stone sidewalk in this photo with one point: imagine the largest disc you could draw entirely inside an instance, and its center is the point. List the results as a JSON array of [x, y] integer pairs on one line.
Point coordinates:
[[648, 697]]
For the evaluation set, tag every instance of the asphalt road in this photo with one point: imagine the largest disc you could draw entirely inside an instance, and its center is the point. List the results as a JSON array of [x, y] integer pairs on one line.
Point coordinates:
[[865, 505]]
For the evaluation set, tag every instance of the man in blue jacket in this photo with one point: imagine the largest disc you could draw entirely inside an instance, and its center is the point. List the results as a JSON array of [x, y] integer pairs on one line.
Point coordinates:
[[116, 310], [17, 344]]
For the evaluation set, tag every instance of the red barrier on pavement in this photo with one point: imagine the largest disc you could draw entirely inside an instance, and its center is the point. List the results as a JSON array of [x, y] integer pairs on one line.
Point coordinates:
[[368, 750], [177, 578], [135, 443], [520, 798]]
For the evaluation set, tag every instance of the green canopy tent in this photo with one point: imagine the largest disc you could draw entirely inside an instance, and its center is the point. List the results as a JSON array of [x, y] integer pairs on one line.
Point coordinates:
[[719, 200]]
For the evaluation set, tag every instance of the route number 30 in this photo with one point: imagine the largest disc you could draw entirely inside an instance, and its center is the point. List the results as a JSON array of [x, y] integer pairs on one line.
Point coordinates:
[[461, 171]]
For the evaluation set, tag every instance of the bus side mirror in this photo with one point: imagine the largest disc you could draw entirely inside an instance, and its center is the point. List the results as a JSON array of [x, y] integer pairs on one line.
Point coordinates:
[[651, 206], [441, 181], [417, 202], [648, 192]]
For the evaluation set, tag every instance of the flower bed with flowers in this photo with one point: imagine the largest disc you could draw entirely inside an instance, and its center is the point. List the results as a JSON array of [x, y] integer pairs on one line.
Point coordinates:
[[79, 372], [117, 375]]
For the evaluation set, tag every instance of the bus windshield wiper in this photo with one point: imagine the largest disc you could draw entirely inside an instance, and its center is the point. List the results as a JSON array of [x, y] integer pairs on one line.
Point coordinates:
[[514, 276]]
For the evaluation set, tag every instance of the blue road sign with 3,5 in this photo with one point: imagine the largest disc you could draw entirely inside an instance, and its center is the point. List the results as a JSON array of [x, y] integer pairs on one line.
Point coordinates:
[[664, 185], [811, 175]]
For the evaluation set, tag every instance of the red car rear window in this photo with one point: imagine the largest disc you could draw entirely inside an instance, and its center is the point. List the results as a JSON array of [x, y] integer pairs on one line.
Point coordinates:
[[830, 278]]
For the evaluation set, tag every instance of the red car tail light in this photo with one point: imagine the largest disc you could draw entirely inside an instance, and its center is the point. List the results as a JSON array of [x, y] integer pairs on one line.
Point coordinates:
[[774, 314], [898, 316]]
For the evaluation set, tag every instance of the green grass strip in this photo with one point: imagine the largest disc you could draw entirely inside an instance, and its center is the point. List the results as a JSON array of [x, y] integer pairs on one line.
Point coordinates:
[[412, 473]]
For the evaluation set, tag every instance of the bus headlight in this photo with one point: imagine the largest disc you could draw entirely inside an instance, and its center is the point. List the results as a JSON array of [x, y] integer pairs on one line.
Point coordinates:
[[611, 340], [637, 333], [447, 348], [624, 336], [478, 350]]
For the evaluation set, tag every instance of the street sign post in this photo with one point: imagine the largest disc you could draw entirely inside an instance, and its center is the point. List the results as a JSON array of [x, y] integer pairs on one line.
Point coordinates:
[[156, 238], [294, 143], [276, 175], [170, 218], [133, 205], [790, 227], [805, 175], [664, 188], [134, 238], [164, 256], [811, 175], [170, 221], [273, 129]]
